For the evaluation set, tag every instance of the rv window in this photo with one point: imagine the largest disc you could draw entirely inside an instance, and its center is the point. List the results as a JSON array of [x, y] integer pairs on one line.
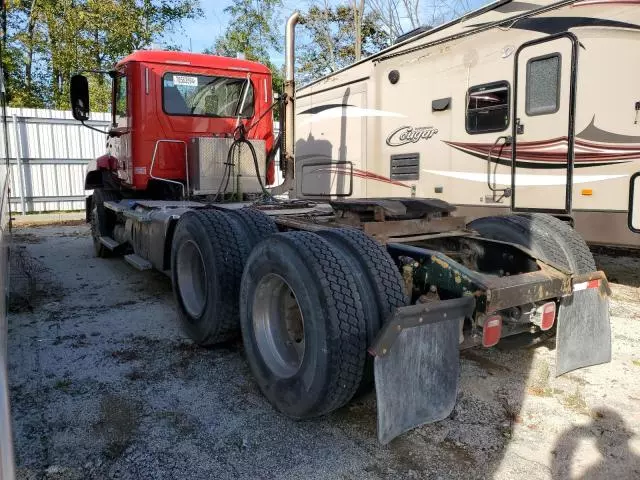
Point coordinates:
[[543, 85], [488, 108]]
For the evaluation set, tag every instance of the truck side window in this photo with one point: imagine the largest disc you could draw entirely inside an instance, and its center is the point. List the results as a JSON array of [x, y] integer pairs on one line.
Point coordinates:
[[207, 96], [543, 85], [488, 108], [121, 96]]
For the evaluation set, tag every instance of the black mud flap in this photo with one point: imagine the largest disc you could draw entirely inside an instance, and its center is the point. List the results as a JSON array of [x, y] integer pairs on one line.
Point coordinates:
[[417, 365], [584, 332]]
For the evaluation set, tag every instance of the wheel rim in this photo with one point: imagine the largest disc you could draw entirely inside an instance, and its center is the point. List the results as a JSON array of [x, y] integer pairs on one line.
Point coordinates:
[[278, 326], [192, 279]]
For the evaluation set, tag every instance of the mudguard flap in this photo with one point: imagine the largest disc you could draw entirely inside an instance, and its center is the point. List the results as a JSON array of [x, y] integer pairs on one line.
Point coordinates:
[[584, 332], [417, 364]]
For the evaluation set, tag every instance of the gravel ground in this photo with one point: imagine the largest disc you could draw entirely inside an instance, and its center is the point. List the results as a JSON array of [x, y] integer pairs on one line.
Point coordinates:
[[105, 385]]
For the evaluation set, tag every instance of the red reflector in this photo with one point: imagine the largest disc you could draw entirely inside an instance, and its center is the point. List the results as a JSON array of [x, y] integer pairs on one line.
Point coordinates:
[[586, 285], [548, 315], [491, 330]]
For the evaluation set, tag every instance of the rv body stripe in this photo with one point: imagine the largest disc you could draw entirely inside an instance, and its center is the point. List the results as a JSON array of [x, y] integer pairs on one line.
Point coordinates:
[[348, 111], [595, 134], [322, 108], [554, 25], [552, 153], [586, 3], [328, 89], [359, 174], [523, 180]]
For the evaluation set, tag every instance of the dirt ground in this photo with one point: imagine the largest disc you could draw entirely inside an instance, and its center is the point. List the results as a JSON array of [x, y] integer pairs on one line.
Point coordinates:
[[105, 385]]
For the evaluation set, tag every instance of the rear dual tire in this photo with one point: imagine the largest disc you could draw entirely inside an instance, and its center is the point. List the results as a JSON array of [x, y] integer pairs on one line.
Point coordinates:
[[311, 304], [548, 237], [309, 363], [308, 304], [208, 253], [377, 279]]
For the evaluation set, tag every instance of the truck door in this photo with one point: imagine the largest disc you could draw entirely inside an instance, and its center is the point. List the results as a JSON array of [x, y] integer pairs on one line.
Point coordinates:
[[119, 142], [543, 126]]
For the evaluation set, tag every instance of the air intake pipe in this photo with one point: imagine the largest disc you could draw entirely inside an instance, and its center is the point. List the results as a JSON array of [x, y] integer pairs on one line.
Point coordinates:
[[288, 138]]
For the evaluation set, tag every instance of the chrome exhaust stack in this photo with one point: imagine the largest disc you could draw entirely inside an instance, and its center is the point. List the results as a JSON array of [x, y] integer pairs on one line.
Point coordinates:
[[288, 138]]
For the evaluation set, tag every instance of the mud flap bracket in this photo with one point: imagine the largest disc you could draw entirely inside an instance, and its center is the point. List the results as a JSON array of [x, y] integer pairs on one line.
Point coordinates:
[[417, 365]]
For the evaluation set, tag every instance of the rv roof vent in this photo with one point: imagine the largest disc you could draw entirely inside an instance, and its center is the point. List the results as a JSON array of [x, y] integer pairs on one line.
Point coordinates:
[[412, 33]]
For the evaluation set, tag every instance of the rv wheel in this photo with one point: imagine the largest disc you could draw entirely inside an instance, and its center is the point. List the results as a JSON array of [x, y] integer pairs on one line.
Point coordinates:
[[207, 257], [303, 324]]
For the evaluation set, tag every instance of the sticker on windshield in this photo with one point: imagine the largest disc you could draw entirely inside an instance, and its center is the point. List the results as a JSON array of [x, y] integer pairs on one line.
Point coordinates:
[[185, 80]]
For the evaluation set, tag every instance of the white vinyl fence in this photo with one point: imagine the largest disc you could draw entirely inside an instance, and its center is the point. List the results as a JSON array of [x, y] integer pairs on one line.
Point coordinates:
[[48, 152]]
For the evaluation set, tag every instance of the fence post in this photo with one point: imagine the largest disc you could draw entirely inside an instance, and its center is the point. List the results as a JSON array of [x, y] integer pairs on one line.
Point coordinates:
[[19, 160]]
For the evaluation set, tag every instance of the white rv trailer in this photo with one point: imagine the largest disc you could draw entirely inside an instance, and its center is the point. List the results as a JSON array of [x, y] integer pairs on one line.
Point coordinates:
[[519, 106]]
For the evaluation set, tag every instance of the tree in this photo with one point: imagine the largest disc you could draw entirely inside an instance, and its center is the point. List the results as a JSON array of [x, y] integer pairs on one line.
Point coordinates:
[[400, 16], [253, 31], [328, 40], [49, 40]]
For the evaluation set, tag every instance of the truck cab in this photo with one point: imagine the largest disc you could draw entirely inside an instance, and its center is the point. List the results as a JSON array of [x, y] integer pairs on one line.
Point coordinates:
[[163, 99]]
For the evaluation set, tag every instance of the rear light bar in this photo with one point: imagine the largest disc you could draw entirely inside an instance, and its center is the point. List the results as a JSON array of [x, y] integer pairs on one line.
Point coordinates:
[[491, 330], [587, 285]]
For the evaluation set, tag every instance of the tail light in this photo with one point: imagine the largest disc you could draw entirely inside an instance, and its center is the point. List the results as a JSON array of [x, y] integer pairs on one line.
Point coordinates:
[[548, 315], [491, 331]]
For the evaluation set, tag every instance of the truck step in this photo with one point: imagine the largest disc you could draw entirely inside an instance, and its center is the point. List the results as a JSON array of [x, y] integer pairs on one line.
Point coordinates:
[[109, 242], [138, 262]]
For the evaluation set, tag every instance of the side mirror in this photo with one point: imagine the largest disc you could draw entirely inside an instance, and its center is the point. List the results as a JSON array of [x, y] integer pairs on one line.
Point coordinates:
[[634, 203], [79, 94]]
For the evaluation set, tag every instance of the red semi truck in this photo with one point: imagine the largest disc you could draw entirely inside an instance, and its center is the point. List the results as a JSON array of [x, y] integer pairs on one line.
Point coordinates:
[[330, 297]]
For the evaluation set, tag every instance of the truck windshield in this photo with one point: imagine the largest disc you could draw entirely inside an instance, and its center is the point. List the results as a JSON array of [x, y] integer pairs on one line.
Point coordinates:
[[205, 95]]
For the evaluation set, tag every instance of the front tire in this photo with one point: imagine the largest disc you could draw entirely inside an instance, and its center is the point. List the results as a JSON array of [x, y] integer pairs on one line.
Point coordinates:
[[102, 220]]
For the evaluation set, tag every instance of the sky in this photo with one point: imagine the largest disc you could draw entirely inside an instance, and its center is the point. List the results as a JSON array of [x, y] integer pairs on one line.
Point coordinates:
[[197, 34], [201, 33]]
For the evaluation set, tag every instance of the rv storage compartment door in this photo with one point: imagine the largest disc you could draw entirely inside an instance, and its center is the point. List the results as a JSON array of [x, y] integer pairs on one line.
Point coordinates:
[[543, 130]]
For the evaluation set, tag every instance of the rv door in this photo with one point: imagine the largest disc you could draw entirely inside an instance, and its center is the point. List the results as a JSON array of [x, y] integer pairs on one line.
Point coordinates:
[[543, 127]]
